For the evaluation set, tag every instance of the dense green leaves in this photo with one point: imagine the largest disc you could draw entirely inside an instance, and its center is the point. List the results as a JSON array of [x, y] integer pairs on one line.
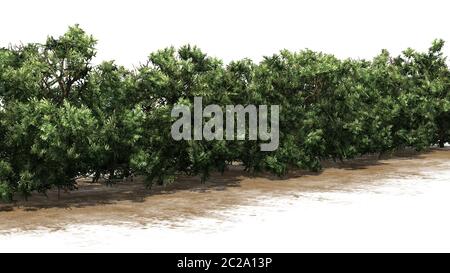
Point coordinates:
[[48, 145], [62, 118]]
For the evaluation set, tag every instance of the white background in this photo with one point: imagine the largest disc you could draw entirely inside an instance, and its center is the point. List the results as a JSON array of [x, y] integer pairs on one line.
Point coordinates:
[[128, 31]]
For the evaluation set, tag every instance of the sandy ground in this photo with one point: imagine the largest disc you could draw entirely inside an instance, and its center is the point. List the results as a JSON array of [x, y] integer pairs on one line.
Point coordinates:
[[188, 198], [398, 203]]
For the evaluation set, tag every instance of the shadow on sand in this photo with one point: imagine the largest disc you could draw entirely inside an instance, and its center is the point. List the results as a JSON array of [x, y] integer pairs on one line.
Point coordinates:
[[90, 194]]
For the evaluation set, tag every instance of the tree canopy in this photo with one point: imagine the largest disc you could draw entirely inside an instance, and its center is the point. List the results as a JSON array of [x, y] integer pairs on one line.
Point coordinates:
[[61, 117]]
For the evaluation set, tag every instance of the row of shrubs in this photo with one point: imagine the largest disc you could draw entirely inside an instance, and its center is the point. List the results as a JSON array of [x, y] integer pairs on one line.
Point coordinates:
[[61, 117]]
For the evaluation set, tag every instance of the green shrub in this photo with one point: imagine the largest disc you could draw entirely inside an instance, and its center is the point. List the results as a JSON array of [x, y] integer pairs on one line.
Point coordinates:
[[62, 118]]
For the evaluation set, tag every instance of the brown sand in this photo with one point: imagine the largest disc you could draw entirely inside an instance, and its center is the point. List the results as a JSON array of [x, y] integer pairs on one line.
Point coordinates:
[[188, 198]]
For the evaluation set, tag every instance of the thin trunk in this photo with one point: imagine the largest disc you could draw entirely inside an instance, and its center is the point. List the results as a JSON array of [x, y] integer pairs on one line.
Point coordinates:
[[441, 138]]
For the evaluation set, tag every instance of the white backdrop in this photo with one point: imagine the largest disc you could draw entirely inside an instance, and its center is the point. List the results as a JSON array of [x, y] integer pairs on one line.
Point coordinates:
[[231, 29]]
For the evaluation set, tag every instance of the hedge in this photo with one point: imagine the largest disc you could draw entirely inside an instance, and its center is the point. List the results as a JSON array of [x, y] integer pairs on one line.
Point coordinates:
[[61, 117]]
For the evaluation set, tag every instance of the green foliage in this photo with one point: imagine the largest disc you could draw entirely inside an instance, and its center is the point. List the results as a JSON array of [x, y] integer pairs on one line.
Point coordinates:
[[62, 118], [6, 189], [48, 146], [55, 70]]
